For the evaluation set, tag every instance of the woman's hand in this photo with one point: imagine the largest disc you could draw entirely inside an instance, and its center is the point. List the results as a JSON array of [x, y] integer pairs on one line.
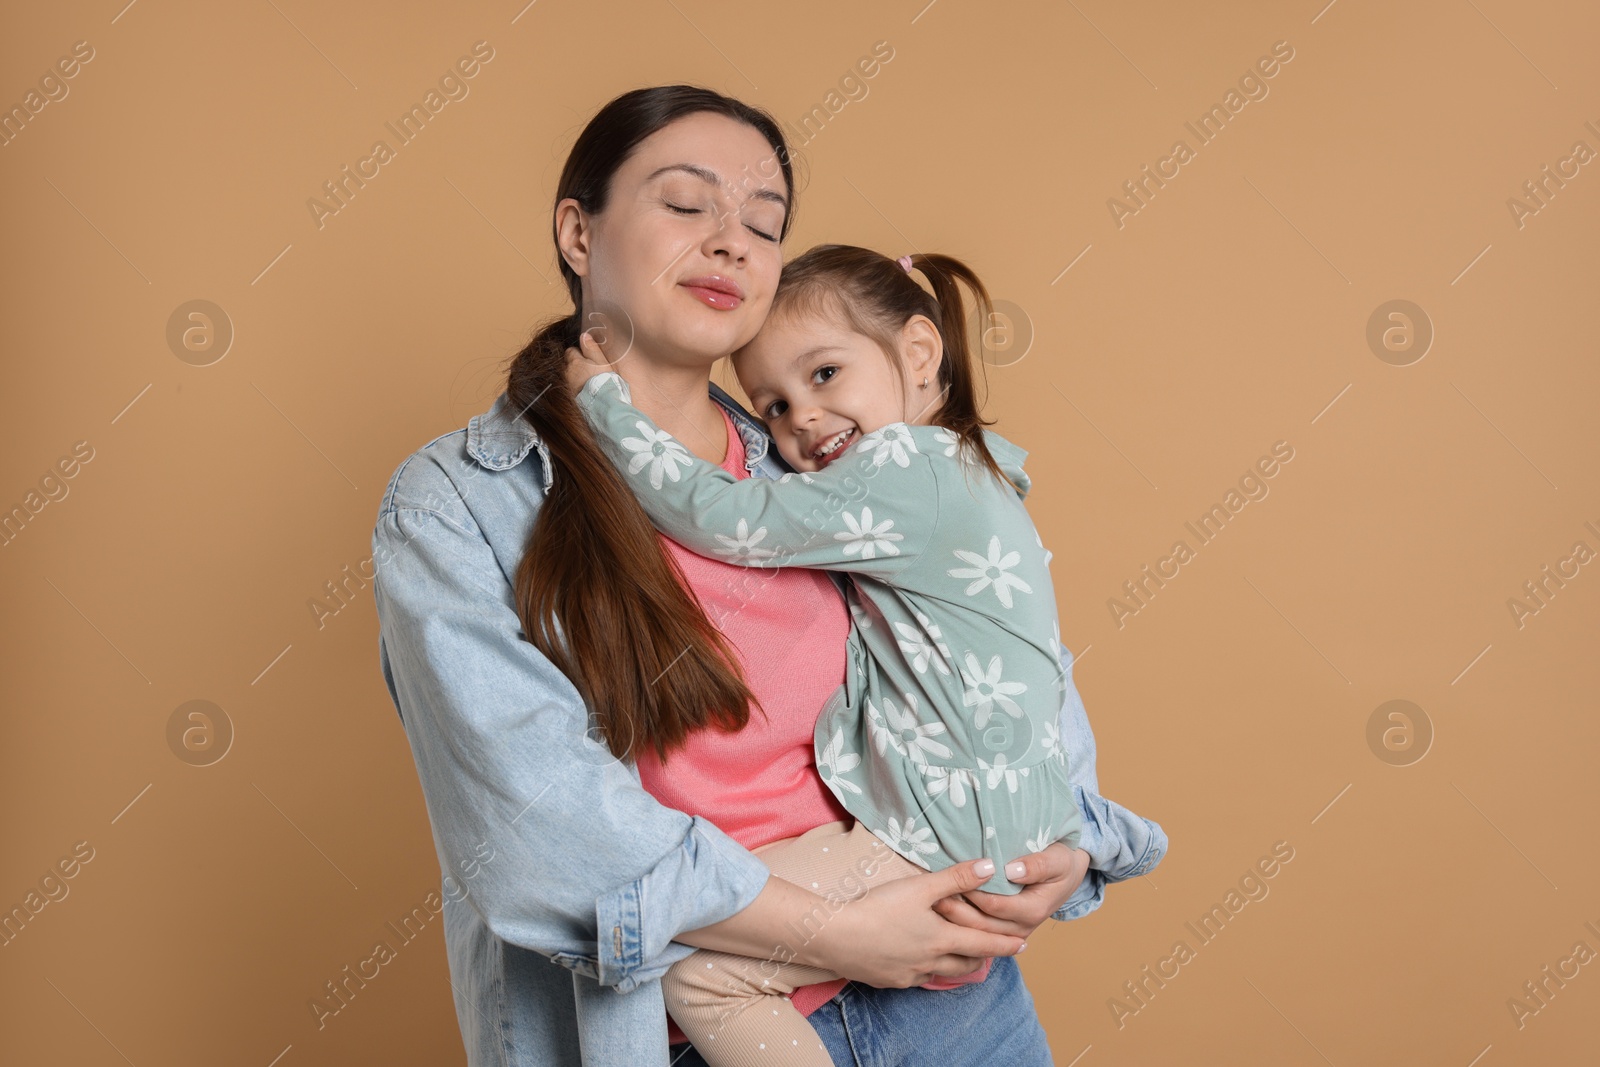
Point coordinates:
[[891, 937], [585, 362], [1051, 877]]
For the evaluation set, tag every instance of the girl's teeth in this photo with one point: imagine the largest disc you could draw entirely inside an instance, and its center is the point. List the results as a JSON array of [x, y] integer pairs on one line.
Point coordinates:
[[829, 448]]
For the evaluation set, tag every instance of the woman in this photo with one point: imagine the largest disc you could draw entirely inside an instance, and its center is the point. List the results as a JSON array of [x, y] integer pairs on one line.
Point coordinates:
[[669, 211]]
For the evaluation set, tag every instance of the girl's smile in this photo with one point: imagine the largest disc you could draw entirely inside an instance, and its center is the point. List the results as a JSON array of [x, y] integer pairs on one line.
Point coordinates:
[[834, 446]]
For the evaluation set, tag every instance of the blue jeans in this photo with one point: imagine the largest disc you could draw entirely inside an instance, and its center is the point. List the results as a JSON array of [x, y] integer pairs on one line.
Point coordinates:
[[991, 1022]]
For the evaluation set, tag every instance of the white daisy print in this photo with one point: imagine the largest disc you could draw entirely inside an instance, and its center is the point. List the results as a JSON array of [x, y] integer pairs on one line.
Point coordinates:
[[931, 628], [991, 571], [833, 762], [802, 475], [742, 545], [1044, 840], [949, 781], [917, 648], [878, 730], [1050, 742], [911, 737], [985, 689], [909, 841], [952, 447], [859, 612], [999, 771], [893, 443], [659, 451], [1061, 675], [867, 539]]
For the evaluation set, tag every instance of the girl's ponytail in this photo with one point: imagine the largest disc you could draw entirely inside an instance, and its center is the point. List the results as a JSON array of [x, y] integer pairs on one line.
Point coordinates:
[[962, 411]]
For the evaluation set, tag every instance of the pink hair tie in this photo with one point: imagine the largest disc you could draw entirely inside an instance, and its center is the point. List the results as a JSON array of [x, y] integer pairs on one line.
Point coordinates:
[[905, 263]]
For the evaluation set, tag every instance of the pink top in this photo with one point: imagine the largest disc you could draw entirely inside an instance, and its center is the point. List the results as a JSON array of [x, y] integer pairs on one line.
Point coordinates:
[[788, 629]]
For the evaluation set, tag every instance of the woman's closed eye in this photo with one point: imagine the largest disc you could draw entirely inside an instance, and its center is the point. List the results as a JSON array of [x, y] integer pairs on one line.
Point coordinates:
[[682, 210]]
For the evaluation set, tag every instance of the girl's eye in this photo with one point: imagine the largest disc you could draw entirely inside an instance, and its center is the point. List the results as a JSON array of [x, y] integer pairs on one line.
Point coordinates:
[[774, 409], [827, 371]]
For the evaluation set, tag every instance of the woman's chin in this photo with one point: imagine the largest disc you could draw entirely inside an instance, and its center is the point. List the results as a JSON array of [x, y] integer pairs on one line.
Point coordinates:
[[707, 342]]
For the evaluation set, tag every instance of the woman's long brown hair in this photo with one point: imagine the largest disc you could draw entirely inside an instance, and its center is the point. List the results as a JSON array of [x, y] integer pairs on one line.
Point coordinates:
[[596, 591]]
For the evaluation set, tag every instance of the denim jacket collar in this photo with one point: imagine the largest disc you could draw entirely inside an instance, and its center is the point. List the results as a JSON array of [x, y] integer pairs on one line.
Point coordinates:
[[499, 439], [751, 432]]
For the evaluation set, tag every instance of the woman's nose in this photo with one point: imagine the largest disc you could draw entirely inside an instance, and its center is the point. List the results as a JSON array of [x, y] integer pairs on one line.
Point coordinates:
[[730, 237]]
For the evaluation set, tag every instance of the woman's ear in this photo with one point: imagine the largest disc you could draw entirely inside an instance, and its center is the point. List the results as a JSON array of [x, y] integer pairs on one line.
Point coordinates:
[[921, 348], [573, 228]]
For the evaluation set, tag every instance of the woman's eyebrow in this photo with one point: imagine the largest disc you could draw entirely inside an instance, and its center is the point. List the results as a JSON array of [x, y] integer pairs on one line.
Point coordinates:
[[710, 178]]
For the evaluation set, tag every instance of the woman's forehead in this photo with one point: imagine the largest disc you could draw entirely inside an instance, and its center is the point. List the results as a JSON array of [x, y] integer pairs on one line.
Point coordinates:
[[714, 149]]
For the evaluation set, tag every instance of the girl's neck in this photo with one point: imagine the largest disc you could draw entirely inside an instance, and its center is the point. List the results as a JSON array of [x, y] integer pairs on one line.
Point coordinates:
[[677, 399]]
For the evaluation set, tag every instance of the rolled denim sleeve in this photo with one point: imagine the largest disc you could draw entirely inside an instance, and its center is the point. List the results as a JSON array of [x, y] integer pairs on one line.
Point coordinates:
[[1120, 844], [553, 840]]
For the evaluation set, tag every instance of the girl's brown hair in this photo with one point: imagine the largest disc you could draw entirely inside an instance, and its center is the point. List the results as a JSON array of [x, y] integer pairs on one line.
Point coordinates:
[[876, 297], [596, 591]]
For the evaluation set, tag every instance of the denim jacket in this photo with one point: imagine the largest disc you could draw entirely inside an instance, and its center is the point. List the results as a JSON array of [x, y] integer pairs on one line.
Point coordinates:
[[551, 851]]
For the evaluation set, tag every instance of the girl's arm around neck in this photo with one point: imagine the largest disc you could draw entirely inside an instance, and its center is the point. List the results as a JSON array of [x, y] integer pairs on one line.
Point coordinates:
[[871, 511]]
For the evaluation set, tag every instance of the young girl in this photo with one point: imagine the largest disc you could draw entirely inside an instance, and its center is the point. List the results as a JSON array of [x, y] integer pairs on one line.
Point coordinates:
[[943, 740]]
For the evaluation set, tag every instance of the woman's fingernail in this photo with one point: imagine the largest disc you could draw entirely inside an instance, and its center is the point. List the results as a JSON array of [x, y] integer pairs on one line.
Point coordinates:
[[984, 867], [1016, 869], [1023, 949]]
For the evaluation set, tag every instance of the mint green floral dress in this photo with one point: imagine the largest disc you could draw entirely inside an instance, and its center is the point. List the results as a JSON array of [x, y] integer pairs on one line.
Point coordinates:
[[943, 739]]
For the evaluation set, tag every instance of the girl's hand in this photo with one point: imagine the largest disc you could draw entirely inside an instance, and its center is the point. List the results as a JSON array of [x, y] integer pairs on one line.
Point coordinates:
[[1051, 877], [585, 361]]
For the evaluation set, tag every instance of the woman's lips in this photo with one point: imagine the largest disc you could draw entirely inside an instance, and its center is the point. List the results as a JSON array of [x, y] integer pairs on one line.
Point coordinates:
[[715, 291]]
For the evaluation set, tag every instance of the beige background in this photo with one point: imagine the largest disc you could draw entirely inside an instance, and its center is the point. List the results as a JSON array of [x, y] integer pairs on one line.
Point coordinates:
[[1229, 313]]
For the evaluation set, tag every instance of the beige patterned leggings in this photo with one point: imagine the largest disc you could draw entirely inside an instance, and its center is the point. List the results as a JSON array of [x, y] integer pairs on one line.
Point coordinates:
[[736, 1009]]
